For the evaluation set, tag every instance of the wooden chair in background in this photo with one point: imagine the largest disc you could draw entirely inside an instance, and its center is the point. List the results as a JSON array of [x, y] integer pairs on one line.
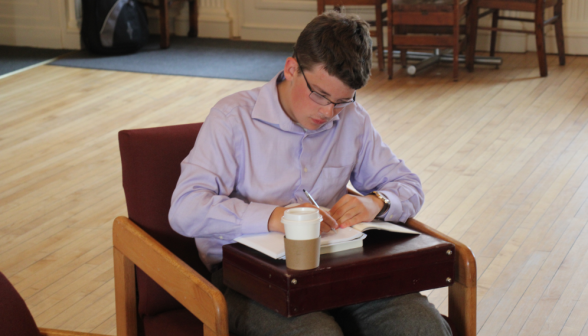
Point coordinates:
[[534, 6], [379, 22], [161, 286], [436, 16], [163, 8]]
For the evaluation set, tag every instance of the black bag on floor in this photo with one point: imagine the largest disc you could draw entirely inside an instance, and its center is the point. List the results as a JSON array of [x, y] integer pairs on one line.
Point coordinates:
[[111, 27]]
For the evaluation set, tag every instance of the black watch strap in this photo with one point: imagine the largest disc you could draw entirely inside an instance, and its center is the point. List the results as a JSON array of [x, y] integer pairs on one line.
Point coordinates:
[[385, 200]]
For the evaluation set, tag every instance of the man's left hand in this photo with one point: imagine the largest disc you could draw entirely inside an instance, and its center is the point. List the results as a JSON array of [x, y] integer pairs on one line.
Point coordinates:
[[351, 209]]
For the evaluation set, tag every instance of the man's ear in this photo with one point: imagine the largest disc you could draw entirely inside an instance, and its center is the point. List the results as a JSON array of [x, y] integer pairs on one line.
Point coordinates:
[[290, 68]]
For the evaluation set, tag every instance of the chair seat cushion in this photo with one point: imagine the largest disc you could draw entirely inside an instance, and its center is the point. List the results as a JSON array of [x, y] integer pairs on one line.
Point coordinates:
[[178, 322]]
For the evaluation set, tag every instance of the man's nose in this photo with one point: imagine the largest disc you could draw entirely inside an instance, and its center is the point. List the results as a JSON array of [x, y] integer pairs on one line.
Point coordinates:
[[328, 111]]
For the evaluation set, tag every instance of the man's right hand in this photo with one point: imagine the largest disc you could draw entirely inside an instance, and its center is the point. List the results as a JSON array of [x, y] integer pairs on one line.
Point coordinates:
[[275, 220]]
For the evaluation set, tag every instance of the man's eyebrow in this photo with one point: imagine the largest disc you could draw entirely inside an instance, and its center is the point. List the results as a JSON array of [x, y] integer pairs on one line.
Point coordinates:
[[317, 89]]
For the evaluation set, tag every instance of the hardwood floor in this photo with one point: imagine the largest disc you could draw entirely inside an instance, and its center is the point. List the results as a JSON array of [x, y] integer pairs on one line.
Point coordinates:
[[502, 154]]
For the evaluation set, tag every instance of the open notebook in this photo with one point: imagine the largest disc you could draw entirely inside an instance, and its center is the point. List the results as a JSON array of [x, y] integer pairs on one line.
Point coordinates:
[[272, 243]]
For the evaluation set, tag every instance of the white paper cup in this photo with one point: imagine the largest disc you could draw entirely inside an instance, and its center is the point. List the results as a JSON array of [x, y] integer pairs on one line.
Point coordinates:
[[302, 223]]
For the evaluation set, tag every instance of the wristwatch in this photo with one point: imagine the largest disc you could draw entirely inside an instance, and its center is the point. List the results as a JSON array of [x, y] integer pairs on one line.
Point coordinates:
[[385, 200]]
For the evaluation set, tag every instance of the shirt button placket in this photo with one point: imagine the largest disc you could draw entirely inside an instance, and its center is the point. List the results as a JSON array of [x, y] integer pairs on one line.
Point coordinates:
[[304, 165]]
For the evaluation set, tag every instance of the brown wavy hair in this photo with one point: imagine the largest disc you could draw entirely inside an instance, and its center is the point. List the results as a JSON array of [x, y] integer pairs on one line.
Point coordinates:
[[339, 43]]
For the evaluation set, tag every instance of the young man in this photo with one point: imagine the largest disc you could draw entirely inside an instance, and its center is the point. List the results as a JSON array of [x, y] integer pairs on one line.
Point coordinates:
[[259, 149]]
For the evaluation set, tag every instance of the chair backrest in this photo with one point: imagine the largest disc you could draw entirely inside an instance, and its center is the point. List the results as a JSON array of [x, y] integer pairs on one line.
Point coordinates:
[[150, 168], [15, 317]]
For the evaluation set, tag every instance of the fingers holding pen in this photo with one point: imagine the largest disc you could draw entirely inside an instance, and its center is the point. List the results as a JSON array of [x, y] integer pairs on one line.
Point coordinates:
[[328, 223], [350, 210], [346, 208]]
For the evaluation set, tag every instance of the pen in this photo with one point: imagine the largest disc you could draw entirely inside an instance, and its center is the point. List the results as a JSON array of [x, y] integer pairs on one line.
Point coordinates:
[[314, 203]]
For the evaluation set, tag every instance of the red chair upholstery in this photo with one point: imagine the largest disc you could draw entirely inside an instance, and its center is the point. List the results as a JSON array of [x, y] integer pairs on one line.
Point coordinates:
[[15, 317]]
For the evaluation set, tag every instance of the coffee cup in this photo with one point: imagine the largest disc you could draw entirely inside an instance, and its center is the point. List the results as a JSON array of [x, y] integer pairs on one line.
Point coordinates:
[[302, 240]]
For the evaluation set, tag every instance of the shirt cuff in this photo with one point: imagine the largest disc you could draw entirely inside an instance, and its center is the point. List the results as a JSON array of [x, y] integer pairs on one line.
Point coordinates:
[[255, 218], [395, 211]]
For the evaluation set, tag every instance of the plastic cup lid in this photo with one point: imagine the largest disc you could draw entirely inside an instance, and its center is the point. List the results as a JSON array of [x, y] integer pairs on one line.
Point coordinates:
[[301, 214]]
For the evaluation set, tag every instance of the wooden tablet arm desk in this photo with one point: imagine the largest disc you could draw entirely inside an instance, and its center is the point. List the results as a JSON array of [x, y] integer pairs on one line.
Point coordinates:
[[134, 247]]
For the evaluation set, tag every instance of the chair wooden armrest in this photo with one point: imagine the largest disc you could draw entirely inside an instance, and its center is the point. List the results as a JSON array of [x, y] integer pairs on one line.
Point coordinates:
[[55, 332], [134, 247], [462, 293]]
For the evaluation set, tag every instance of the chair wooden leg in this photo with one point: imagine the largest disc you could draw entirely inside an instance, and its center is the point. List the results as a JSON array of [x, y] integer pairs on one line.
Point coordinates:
[[462, 309], [163, 24], [390, 39], [559, 35], [540, 38], [472, 34], [320, 7], [193, 19], [494, 32], [455, 44], [380, 35], [125, 297]]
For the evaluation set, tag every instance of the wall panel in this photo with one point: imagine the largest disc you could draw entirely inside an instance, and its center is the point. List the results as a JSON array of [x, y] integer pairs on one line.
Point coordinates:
[[39, 23]]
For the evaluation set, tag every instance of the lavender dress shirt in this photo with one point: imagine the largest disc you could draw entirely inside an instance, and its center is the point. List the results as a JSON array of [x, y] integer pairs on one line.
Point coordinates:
[[250, 157]]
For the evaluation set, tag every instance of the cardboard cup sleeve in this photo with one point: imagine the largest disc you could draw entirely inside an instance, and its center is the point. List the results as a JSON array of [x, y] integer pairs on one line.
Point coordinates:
[[302, 254]]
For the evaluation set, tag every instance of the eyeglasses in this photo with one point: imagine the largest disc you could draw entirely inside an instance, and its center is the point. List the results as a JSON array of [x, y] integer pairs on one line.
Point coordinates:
[[319, 98]]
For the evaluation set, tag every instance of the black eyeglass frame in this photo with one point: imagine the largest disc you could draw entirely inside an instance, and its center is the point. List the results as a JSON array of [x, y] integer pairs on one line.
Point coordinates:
[[335, 105]]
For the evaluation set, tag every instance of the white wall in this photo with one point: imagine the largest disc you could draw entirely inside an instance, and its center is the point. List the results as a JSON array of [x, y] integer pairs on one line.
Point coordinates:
[[40, 23], [55, 23]]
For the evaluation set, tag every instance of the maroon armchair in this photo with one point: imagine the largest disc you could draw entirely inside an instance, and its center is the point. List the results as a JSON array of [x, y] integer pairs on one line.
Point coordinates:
[[161, 286], [151, 168], [16, 319]]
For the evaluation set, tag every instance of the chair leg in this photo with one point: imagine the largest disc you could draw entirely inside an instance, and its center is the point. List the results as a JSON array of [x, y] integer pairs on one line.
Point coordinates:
[[320, 7], [390, 39], [462, 308], [455, 43], [125, 297], [193, 19], [559, 35], [163, 24], [540, 39], [403, 58], [380, 35], [494, 32], [456, 58], [472, 34]]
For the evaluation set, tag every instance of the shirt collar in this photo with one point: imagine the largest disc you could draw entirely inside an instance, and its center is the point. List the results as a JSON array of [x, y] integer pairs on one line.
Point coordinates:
[[269, 110]]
